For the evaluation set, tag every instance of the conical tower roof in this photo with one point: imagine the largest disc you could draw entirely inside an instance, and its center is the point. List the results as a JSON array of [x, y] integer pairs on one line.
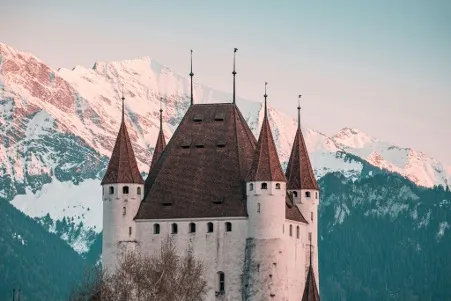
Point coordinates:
[[161, 143], [299, 171], [266, 165], [122, 167]]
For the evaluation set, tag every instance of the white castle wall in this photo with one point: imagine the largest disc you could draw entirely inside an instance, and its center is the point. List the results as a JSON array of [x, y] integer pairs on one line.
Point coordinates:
[[118, 228], [220, 251]]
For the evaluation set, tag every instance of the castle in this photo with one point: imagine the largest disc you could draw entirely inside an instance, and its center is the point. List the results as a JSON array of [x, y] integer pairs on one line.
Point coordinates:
[[217, 190]]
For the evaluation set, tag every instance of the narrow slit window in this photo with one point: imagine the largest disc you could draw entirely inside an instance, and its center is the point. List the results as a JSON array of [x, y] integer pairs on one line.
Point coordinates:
[[228, 227], [251, 186], [316, 195], [138, 191], [221, 282], [310, 237], [210, 227], [192, 228], [297, 232], [156, 228], [311, 216], [124, 211], [129, 231], [111, 190], [291, 230], [174, 229], [258, 207]]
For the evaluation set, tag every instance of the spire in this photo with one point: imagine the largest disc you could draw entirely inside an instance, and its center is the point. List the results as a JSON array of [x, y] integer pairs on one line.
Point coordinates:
[[234, 73], [299, 171], [161, 141], [299, 111], [266, 165], [122, 167], [310, 288], [191, 74]]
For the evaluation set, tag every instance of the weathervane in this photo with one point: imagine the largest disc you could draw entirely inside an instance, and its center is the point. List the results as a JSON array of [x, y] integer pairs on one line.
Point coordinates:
[[191, 75], [299, 111], [234, 73]]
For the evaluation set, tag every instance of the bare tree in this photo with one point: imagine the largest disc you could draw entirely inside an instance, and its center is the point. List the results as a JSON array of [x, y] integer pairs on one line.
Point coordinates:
[[166, 276]]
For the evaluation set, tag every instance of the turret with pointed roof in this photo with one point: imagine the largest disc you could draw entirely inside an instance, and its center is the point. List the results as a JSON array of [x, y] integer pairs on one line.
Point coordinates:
[[299, 172], [310, 288], [161, 141], [266, 165], [122, 167]]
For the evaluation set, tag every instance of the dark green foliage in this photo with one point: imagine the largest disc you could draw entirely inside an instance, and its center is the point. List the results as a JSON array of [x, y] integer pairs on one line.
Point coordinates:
[[42, 265], [387, 246]]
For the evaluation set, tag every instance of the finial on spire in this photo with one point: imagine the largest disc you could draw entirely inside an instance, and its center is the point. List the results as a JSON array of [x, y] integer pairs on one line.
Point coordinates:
[[123, 99], [161, 113], [191, 74], [265, 96], [299, 111], [234, 73]]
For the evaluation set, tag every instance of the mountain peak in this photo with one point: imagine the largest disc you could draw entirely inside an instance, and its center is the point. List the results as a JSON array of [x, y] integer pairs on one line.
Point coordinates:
[[352, 137]]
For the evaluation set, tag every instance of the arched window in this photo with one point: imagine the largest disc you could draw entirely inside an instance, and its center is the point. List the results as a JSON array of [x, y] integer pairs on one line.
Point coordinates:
[[174, 228], [264, 186], [307, 194], [221, 282], [291, 230], [124, 211], [297, 232], [210, 227], [278, 186], [295, 194], [125, 190], [228, 227], [111, 190], [156, 228], [138, 191], [192, 228], [316, 195], [251, 186]]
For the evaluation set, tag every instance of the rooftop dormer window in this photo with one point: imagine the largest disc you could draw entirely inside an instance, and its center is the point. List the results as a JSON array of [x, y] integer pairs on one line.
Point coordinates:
[[197, 118], [219, 116]]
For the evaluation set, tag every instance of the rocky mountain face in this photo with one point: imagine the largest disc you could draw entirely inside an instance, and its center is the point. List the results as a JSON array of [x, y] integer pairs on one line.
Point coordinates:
[[57, 130]]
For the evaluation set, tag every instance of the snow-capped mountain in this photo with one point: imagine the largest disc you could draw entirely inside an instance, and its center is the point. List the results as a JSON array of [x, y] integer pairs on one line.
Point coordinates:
[[58, 127]]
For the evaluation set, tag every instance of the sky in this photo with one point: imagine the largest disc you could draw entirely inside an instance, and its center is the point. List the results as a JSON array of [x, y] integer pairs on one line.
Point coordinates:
[[382, 66]]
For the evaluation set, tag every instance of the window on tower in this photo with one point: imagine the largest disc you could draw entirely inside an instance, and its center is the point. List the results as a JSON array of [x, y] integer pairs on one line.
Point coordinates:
[[124, 211], [221, 282], [291, 230], [125, 190], [264, 186], [156, 228], [316, 195], [174, 228], [138, 191], [278, 186], [228, 227], [210, 227], [129, 231], [111, 190], [192, 228], [251, 186], [310, 237], [307, 194], [297, 232], [258, 207], [311, 216], [295, 194]]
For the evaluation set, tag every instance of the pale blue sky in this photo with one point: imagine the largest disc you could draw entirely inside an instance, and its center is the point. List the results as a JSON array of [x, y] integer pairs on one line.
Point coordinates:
[[381, 66]]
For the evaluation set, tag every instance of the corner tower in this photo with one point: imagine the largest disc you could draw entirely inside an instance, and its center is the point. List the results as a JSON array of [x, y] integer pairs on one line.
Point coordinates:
[[302, 184], [122, 189]]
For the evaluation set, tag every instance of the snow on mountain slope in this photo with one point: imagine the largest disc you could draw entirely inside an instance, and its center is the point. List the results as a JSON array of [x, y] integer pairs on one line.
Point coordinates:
[[59, 126], [416, 166]]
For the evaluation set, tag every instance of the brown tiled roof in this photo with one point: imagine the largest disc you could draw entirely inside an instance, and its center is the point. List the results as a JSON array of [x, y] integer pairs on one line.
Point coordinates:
[[159, 148], [122, 167], [266, 164], [299, 172], [292, 211], [201, 173], [310, 289]]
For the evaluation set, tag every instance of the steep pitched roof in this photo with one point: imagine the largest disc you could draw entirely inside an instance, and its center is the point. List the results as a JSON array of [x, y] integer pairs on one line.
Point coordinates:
[[299, 171], [161, 144], [310, 289], [292, 211], [122, 167], [202, 170], [266, 164]]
